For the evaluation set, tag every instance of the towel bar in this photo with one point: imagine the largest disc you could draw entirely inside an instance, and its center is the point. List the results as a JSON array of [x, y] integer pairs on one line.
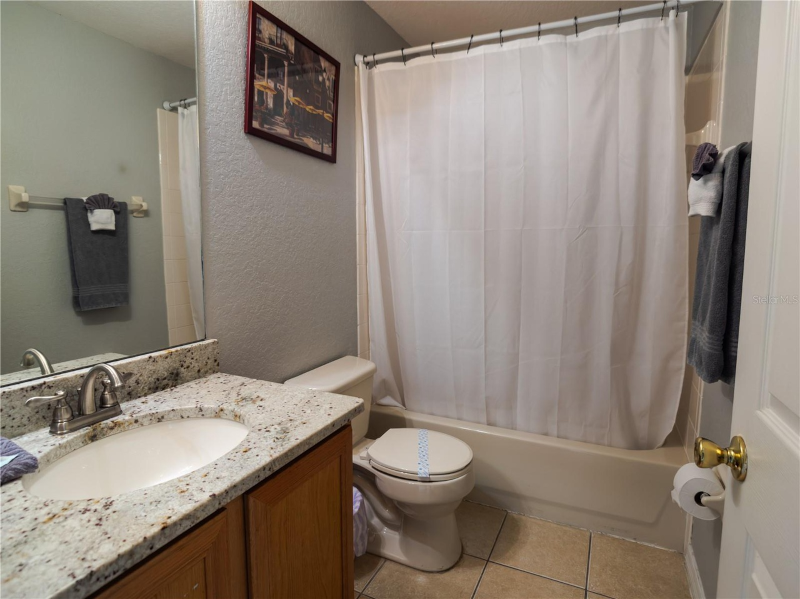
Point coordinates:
[[19, 201]]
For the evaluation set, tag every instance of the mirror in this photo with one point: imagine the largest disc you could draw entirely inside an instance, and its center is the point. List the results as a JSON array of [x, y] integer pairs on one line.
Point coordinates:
[[86, 277]]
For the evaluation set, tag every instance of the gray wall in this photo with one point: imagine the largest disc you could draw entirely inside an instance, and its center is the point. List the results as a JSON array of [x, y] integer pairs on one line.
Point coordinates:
[[279, 227], [738, 110], [78, 117]]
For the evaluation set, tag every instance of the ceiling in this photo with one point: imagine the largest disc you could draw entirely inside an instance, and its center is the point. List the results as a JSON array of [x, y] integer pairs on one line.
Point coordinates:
[[163, 27], [422, 22]]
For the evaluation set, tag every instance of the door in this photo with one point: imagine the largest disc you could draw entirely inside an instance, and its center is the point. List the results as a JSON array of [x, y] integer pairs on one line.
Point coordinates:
[[760, 554], [300, 526]]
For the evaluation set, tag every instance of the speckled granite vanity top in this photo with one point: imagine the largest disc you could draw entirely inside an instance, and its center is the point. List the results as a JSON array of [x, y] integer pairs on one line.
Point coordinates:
[[54, 548]]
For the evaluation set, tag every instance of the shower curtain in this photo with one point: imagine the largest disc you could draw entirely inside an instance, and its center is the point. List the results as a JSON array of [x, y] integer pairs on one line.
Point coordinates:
[[527, 232], [189, 151]]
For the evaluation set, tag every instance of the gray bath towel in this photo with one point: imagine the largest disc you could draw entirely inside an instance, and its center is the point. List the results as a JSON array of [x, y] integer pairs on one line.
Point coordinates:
[[718, 283], [23, 463], [98, 259]]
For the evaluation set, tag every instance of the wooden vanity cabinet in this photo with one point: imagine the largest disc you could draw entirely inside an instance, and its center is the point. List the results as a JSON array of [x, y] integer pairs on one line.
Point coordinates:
[[290, 537], [208, 561], [300, 526]]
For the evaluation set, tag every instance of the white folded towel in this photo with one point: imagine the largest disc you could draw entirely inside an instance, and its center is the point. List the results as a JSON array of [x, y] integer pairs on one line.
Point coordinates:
[[101, 220], [705, 193]]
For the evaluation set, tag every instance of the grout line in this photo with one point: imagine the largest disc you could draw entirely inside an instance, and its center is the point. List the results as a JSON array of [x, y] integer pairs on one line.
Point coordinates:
[[374, 574], [588, 565], [486, 561], [569, 584]]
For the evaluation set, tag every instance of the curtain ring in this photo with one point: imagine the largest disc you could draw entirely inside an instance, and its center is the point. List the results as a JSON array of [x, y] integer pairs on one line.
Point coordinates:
[[403, 54], [501, 38], [538, 37], [470, 42], [663, 8], [576, 26], [677, 7], [619, 16], [374, 60], [433, 52]]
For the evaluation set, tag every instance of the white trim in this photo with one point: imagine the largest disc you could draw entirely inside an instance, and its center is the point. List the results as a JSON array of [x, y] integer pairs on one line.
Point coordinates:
[[693, 574]]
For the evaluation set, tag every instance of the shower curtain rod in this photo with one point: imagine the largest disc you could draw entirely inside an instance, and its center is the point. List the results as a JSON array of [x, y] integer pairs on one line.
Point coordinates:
[[487, 37]]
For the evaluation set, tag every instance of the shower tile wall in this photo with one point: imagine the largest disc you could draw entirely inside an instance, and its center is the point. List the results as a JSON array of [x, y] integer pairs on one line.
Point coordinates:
[[179, 308], [703, 103]]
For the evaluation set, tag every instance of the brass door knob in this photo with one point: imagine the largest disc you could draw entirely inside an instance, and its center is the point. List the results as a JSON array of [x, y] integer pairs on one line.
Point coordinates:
[[708, 454]]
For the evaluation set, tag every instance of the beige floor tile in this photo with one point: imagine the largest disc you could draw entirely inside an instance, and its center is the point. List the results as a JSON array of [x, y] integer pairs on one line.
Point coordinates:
[[627, 570], [541, 547], [401, 582], [478, 526], [365, 569], [499, 582]]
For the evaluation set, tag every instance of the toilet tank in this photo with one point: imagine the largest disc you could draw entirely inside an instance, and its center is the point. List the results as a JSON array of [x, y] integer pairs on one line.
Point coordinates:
[[347, 376]]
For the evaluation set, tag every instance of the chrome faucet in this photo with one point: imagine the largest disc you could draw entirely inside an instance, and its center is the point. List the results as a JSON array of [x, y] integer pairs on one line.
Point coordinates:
[[64, 419], [33, 356]]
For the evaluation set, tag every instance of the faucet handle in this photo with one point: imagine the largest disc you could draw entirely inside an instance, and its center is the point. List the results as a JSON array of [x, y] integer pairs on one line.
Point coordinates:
[[62, 412], [108, 398], [37, 401]]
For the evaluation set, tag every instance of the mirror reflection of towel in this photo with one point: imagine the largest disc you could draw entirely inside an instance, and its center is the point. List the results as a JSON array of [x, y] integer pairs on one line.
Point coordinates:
[[101, 209], [98, 260]]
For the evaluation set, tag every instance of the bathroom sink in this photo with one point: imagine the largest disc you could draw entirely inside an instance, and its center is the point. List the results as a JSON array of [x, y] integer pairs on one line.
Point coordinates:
[[135, 459]]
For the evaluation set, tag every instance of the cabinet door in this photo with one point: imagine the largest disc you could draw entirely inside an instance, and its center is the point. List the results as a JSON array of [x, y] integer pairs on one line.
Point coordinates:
[[206, 562], [300, 526]]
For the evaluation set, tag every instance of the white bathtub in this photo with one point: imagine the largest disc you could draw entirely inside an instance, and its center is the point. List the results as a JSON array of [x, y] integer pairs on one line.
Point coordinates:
[[618, 491]]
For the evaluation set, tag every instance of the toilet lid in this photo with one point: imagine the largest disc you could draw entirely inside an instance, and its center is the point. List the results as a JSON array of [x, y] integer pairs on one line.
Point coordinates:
[[420, 454]]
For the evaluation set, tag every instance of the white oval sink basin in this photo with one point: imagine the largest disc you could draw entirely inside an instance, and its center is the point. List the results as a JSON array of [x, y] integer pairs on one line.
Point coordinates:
[[135, 459]]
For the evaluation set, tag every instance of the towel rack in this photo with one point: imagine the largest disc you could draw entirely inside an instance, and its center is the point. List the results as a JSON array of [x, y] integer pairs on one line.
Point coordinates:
[[19, 201]]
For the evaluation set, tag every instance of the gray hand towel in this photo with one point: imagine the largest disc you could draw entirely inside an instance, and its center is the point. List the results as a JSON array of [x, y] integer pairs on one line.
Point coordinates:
[[98, 259], [23, 463], [718, 283]]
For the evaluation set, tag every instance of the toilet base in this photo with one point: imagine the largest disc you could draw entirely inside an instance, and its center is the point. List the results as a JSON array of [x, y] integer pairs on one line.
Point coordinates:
[[431, 545]]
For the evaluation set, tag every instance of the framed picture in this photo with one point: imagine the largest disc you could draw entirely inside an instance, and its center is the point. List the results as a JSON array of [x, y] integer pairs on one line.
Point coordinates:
[[292, 88]]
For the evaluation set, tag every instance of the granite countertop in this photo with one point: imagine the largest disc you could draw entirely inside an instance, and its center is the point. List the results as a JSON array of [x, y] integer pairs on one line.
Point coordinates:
[[54, 548]]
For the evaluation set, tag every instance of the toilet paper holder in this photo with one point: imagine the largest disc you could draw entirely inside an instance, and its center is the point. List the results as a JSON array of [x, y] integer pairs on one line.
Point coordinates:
[[714, 502]]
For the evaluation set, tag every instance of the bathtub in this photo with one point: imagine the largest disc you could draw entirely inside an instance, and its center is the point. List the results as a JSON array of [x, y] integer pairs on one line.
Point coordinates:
[[622, 492]]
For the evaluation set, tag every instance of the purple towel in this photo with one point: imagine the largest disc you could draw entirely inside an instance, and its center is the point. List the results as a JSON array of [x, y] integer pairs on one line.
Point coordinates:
[[24, 463], [704, 160]]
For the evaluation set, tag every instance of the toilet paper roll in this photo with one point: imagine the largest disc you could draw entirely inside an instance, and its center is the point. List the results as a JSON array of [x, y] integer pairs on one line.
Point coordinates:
[[688, 486]]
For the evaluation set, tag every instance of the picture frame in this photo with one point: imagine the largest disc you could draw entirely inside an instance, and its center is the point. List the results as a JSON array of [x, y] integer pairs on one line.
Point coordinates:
[[292, 95]]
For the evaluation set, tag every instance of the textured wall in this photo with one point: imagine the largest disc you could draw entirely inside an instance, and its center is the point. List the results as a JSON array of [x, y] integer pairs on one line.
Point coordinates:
[[79, 117], [279, 238]]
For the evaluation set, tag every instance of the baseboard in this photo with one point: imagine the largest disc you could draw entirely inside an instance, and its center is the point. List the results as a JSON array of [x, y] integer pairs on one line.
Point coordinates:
[[693, 574]]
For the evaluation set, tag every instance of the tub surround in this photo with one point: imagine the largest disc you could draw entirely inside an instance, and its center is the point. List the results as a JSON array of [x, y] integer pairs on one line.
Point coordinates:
[[152, 372], [54, 548]]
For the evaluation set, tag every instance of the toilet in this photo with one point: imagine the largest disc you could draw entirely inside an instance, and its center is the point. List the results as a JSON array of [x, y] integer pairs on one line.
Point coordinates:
[[412, 479]]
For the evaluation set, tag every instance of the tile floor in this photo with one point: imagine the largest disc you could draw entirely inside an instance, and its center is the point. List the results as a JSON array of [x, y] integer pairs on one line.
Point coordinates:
[[509, 556]]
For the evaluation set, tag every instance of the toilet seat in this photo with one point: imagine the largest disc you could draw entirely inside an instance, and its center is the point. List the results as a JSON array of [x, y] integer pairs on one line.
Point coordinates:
[[420, 455]]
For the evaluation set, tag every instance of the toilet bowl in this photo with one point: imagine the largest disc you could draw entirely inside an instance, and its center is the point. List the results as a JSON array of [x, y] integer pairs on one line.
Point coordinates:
[[412, 479]]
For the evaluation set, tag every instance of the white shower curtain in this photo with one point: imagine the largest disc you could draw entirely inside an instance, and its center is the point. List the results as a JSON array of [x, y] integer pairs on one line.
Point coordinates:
[[189, 151], [527, 232]]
